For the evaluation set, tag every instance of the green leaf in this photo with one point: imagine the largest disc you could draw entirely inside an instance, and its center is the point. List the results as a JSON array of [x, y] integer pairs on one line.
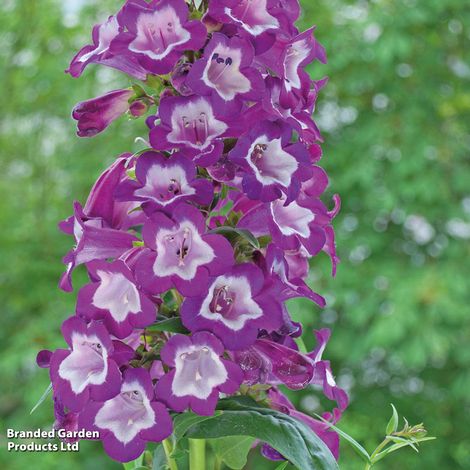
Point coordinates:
[[292, 438], [135, 464], [230, 231], [355, 445], [173, 325], [41, 400], [183, 421], [159, 458], [282, 466], [392, 425], [233, 450]]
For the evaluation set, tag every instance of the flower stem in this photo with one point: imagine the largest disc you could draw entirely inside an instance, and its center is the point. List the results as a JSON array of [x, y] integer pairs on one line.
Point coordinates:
[[197, 454], [168, 448]]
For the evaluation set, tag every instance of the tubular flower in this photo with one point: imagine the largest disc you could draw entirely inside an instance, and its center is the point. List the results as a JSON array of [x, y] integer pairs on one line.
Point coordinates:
[[87, 369], [130, 419], [198, 373], [95, 115], [179, 254], [194, 244], [162, 182]]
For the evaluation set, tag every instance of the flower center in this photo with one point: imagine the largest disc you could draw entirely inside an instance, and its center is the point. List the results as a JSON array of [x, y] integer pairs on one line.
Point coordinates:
[[133, 397], [219, 65], [156, 36], [258, 153], [180, 244], [222, 301], [195, 129], [194, 360], [96, 347], [158, 33], [173, 189]]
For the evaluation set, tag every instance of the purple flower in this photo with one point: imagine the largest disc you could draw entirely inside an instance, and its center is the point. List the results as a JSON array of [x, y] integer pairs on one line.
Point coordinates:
[[101, 202], [300, 51], [254, 17], [290, 108], [179, 252], [267, 362], [323, 375], [198, 373], [290, 287], [65, 420], [95, 115], [93, 241], [301, 223], [130, 419], [163, 182], [226, 71], [114, 297], [235, 307], [273, 166], [179, 77], [98, 228], [190, 123], [87, 369], [99, 52], [157, 33]]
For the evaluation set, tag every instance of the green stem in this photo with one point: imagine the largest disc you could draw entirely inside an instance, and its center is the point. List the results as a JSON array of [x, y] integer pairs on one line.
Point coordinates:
[[197, 454], [368, 466], [168, 448], [379, 448]]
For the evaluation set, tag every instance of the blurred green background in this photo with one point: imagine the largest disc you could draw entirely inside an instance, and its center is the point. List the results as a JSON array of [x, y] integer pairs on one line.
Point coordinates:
[[395, 117]]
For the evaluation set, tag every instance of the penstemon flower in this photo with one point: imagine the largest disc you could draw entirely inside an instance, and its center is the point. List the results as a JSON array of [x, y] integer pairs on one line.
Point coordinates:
[[194, 244]]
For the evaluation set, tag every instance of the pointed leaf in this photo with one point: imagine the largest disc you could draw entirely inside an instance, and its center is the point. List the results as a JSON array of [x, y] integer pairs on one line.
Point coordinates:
[[282, 466], [241, 232], [41, 400], [173, 325], [355, 445], [392, 425]]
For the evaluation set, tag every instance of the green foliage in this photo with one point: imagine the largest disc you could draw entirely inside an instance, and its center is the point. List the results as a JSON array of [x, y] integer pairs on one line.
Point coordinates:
[[243, 417], [395, 119], [232, 450]]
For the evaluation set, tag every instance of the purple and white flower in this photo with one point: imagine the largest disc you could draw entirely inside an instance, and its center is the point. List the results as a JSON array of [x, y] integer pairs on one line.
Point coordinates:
[[301, 223], [235, 307], [198, 373], [95, 115], [114, 298], [226, 71], [86, 370], [130, 419], [273, 166], [289, 286], [99, 52], [157, 33], [255, 17], [179, 252], [300, 51], [162, 182], [191, 124]]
